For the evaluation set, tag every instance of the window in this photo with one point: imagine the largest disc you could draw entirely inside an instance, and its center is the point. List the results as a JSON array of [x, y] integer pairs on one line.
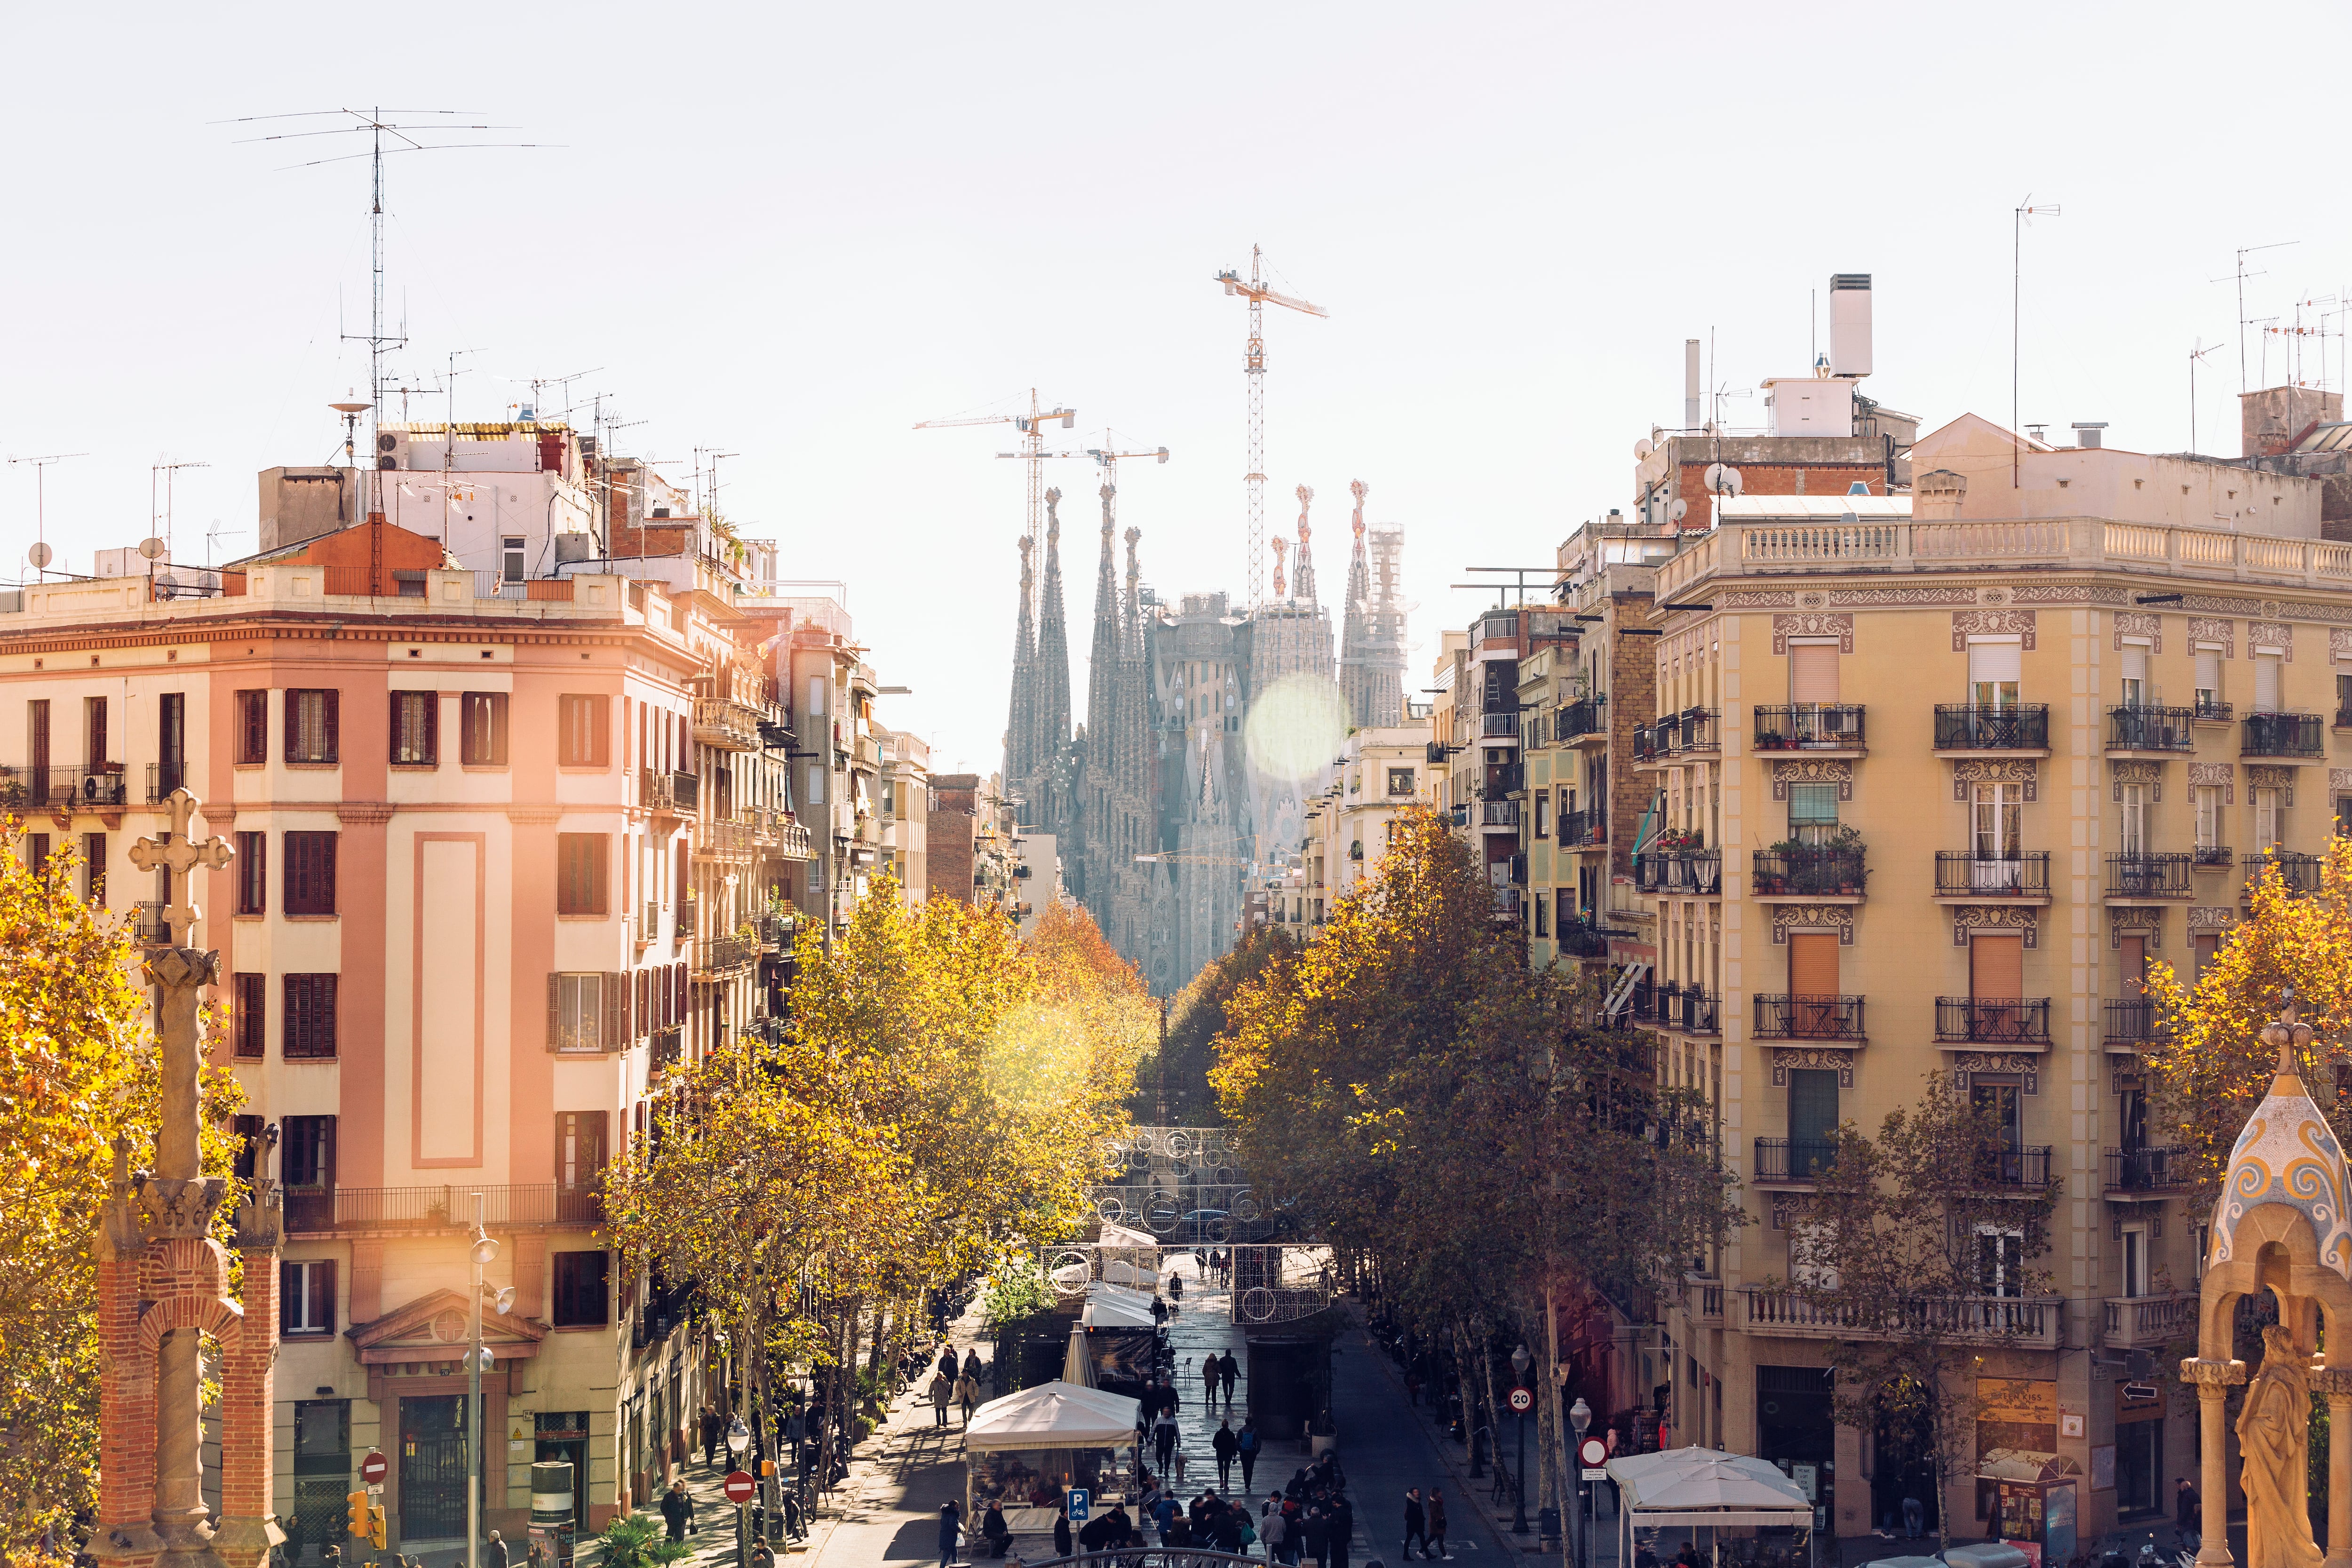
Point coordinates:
[[1996, 819], [93, 727], [252, 728], [2343, 694], [415, 728], [2001, 1261], [580, 1148], [1543, 814], [251, 1015], [249, 1132], [581, 738], [1993, 670], [2270, 818], [579, 1291], [2203, 948], [2208, 800], [2266, 682], [311, 726], [579, 873], [252, 873], [511, 564], [36, 749], [2135, 692], [1543, 912], [306, 1160], [93, 869], [1400, 781], [2134, 838], [309, 1029], [310, 873], [306, 1298], [1813, 812], [2208, 677], [172, 740], [575, 1011], [36, 853], [485, 726], [1813, 673]]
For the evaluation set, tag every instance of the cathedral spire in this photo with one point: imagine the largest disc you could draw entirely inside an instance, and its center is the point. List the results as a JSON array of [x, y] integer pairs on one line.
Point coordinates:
[[1020, 739], [1355, 678], [1047, 805], [1102, 659], [1304, 588]]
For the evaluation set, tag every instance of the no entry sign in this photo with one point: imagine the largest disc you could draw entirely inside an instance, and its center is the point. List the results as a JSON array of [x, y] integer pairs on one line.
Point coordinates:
[[740, 1487], [372, 1470], [1522, 1400], [1594, 1452]]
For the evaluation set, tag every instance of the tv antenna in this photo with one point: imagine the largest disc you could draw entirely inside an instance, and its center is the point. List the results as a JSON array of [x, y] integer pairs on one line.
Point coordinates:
[[388, 131], [538, 409], [41, 554], [169, 471], [2195, 353], [2241, 275], [2026, 213]]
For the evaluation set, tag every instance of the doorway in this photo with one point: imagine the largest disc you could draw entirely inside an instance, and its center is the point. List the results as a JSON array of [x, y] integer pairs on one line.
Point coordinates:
[[2140, 1465], [433, 1467]]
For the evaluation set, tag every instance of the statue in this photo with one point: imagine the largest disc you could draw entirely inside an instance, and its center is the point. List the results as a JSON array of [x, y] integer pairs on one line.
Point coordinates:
[[2273, 1435]]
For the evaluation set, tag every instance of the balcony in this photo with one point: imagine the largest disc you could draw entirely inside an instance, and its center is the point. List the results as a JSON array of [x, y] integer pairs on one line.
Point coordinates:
[[722, 841], [1832, 727], [64, 789], [1498, 726], [2150, 1323], [1583, 721], [688, 915], [148, 928], [792, 841], [1686, 1009], [670, 795], [2213, 711], [1808, 873], [343, 1211], [1702, 1299], [776, 933], [2291, 737], [650, 922], [2024, 1167], [2212, 857], [2133, 730], [1498, 814], [2146, 879], [2148, 1171], [162, 778], [1578, 940], [2300, 873], [1689, 872], [2135, 1021], [2013, 1021], [1966, 730], [1962, 878], [1796, 1017], [1786, 1162], [1584, 830], [720, 955], [2022, 1322], [726, 724]]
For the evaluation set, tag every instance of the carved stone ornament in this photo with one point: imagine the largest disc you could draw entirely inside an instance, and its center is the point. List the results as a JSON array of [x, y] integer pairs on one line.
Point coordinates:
[[2339, 644], [2147, 923], [2212, 1379], [1838, 918], [1788, 1207], [2219, 775], [1908, 597], [2267, 776], [2206, 631], [2148, 774], [1812, 601], [2068, 593], [2270, 610], [2274, 634], [1966, 1065], [177, 1209], [1969, 918], [1812, 625], [1825, 770], [1787, 1057], [2211, 917], [2129, 624], [2025, 771], [1757, 599], [1992, 595], [2018, 624]]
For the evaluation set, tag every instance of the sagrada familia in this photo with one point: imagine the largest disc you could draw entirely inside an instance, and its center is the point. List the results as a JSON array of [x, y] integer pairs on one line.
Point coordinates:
[[1159, 808]]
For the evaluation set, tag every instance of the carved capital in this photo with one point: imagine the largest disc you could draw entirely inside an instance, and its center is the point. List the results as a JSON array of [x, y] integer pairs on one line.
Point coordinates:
[[173, 967], [174, 1210], [260, 1225], [2336, 1381], [2213, 1379]]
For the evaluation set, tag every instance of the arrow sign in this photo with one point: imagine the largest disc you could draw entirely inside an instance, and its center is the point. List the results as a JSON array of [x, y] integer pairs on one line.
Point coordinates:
[[373, 1468], [740, 1487], [1522, 1400]]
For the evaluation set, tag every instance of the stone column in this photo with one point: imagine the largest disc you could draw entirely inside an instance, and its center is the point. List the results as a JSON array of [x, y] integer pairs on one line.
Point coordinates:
[[2213, 1380], [2336, 1381]]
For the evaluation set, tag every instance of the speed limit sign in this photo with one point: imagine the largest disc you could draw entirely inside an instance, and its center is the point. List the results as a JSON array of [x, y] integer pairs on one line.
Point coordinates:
[[1522, 1400]]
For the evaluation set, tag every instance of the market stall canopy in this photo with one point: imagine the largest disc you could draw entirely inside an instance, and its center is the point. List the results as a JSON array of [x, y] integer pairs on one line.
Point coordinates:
[[2025, 1464], [1054, 1415], [1109, 1306], [1701, 1486], [1121, 1235]]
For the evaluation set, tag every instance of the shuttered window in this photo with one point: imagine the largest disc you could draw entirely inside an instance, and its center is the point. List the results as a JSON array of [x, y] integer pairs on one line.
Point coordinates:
[[2135, 693], [415, 728], [2208, 676], [312, 726], [485, 725], [251, 992], [1813, 672], [252, 865], [252, 728], [306, 1298], [310, 1027], [310, 873], [1812, 1103], [93, 869], [1993, 673], [1997, 968], [1812, 964], [579, 1290], [583, 1012], [580, 867], [2267, 683], [583, 738]]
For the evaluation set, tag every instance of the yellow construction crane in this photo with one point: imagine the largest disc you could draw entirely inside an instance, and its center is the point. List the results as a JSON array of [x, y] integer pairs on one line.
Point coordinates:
[[1255, 291]]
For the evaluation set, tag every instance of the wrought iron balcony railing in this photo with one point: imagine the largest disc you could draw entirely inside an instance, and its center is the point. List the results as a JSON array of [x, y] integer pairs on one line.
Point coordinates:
[[2281, 735], [2005, 1021], [1802, 1017], [1810, 726], [1586, 716], [2134, 1020], [1961, 875], [2024, 727], [1823, 873], [2300, 872], [1793, 1159], [2164, 875], [2164, 1169], [2135, 728]]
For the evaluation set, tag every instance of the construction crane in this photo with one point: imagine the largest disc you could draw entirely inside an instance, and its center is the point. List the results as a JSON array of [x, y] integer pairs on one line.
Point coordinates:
[[1255, 290], [1031, 427]]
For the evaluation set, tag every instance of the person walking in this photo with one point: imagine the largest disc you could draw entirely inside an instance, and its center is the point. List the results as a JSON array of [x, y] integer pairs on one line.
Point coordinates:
[[942, 1390], [948, 1361], [2187, 1516], [1915, 1514], [1208, 1380], [1315, 1536], [1416, 1523], [950, 1527], [713, 1428], [495, 1555], [1245, 1446], [972, 1368], [1226, 1444], [1437, 1524], [1062, 1529], [1273, 1529], [967, 1394], [1343, 1529], [678, 1512], [1228, 1369], [1163, 1439]]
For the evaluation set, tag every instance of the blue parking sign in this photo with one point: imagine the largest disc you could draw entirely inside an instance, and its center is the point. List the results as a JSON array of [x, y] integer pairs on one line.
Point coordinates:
[[1079, 1503]]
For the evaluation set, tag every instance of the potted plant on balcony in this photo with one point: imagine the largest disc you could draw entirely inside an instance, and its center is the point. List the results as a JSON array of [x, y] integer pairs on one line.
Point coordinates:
[[1679, 841]]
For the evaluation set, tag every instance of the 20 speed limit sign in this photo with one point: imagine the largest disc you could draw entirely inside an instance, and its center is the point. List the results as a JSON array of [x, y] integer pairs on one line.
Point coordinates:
[[1522, 1400]]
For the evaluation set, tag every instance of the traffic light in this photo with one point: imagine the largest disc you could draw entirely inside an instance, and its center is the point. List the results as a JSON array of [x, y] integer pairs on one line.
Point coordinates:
[[376, 1527], [359, 1521]]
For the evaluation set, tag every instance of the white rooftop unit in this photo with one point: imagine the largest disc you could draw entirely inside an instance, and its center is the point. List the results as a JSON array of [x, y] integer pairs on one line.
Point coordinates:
[[1850, 323], [1809, 405]]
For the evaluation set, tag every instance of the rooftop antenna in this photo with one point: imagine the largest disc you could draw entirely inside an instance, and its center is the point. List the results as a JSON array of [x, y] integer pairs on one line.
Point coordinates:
[[2026, 213], [41, 554], [168, 470], [2241, 275], [387, 132], [538, 381], [2195, 353]]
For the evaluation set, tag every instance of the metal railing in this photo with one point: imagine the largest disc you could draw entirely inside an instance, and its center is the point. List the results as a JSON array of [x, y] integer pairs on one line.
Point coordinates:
[[1498, 814], [63, 788], [1498, 726], [1962, 875], [676, 793], [2164, 1170], [1793, 1159], [2131, 1020], [2162, 876], [448, 1207], [162, 778], [2209, 710], [2134, 728], [2006, 1021], [1823, 872], [688, 915], [2024, 727], [1580, 829], [1810, 726], [2281, 735], [1689, 871], [1579, 939], [1688, 1009], [2026, 1166], [1691, 731], [1586, 716], [733, 950], [147, 924], [1802, 1017], [2300, 872], [2212, 857]]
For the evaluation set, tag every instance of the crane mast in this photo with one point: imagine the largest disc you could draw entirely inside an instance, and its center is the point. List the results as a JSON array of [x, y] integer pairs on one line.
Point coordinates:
[[1254, 366]]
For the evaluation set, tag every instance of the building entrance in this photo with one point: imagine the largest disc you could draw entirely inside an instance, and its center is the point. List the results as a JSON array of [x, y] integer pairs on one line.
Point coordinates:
[[433, 1467]]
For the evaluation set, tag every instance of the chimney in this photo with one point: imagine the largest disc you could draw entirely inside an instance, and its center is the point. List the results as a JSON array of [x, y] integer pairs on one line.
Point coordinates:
[[2272, 420], [1690, 383], [2086, 435], [1850, 325]]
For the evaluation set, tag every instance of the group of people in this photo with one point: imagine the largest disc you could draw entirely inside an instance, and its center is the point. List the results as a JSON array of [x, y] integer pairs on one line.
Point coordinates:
[[952, 1385]]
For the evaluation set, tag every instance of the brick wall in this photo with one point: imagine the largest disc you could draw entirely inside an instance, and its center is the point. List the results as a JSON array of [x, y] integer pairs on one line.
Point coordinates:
[[1633, 703], [947, 843], [1776, 480]]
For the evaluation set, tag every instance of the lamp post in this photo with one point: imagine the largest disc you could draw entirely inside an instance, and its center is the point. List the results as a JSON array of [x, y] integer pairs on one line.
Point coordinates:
[[738, 1437], [1520, 1361], [484, 1251], [1580, 1416]]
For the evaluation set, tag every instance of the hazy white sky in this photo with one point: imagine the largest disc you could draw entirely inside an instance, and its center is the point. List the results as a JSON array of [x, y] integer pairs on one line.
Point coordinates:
[[792, 231]]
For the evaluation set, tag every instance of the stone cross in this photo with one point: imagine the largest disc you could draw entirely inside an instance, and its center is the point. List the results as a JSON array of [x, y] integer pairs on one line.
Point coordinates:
[[181, 855]]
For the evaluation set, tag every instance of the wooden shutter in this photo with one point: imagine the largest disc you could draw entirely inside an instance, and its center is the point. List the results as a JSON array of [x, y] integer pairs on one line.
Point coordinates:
[[1997, 968], [1813, 672], [253, 726], [433, 727], [322, 1303], [1812, 964], [2267, 683], [678, 993], [554, 1012], [2131, 963], [96, 710], [332, 724], [616, 1012]]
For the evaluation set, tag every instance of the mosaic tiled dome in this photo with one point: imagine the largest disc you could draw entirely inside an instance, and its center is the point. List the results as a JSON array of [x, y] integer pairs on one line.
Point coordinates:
[[2287, 1154]]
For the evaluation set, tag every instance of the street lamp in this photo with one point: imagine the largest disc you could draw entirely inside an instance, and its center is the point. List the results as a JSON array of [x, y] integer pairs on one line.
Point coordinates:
[[1580, 1416], [484, 1251], [1520, 1361]]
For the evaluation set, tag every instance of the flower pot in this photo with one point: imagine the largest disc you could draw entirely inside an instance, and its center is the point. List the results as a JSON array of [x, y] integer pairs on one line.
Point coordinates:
[[1319, 1445]]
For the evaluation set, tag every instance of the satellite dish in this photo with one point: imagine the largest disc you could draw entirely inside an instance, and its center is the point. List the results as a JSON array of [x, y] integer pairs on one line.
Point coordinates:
[[40, 555], [151, 549], [1642, 449], [1723, 479], [1679, 511]]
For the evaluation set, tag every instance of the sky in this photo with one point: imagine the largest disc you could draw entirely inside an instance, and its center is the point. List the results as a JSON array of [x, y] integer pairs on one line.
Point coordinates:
[[791, 232]]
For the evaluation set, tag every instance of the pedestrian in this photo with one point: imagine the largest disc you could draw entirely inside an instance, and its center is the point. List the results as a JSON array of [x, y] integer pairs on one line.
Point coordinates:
[[1416, 1523], [1272, 1529], [1343, 1529], [1915, 1514], [1062, 1529], [1315, 1536], [495, 1555], [713, 1428], [1437, 1524], [2185, 1517], [1164, 1438], [950, 1527], [972, 1367], [942, 1390], [1208, 1380], [677, 1511], [1159, 1311], [1245, 1445], [1228, 1369], [1175, 1290], [1412, 1384], [967, 1394], [948, 1361], [1224, 1444]]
